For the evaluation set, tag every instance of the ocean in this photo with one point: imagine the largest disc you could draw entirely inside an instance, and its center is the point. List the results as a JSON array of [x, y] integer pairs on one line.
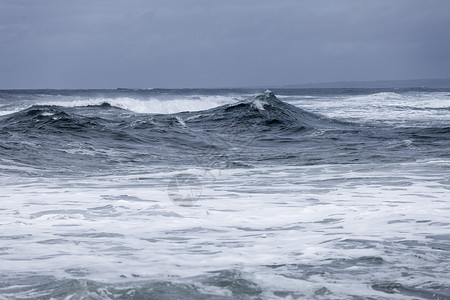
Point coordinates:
[[225, 194]]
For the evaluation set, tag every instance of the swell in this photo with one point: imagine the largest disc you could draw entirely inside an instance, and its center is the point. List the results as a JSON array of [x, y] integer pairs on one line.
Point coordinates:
[[264, 110], [264, 115], [262, 129], [106, 126], [104, 137]]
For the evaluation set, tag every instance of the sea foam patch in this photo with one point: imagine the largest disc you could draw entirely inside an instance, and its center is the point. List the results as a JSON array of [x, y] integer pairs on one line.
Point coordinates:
[[348, 218]]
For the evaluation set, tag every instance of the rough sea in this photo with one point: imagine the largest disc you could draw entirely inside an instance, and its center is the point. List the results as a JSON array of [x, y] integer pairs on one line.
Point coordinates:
[[225, 194]]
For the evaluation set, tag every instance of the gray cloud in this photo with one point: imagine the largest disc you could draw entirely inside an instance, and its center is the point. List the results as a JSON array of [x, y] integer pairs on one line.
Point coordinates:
[[211, 43]]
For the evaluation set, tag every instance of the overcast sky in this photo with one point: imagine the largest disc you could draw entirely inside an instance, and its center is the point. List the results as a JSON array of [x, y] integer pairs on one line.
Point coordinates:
[[220, 43]]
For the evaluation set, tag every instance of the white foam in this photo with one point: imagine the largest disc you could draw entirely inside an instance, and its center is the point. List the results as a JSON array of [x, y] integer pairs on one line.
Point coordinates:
[[149, 105], [259, 104], [409, 109], [245, 219]]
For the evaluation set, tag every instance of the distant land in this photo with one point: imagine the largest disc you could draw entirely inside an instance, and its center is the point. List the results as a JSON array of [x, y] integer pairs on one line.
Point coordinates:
[[415, 83]]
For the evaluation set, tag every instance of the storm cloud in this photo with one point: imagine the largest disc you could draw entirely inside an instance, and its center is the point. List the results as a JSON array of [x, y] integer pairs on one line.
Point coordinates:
[[210, 43]]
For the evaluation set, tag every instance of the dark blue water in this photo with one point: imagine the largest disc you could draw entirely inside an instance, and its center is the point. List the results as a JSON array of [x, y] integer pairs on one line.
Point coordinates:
[[252, 132]]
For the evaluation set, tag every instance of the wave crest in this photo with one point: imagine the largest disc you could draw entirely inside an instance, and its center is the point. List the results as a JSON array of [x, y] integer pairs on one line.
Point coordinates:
[[265, 110]]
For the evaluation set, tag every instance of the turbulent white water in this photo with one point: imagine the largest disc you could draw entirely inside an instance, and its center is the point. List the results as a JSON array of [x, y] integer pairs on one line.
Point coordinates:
[[123, 228], [418, 107], [150, 105]]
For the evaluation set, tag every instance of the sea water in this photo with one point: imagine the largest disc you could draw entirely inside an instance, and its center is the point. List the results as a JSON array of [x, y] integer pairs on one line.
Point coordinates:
[[225, 194]]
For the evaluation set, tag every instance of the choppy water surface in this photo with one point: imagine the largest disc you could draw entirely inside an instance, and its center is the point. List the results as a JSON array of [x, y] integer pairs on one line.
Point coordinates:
[[225, 194]]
